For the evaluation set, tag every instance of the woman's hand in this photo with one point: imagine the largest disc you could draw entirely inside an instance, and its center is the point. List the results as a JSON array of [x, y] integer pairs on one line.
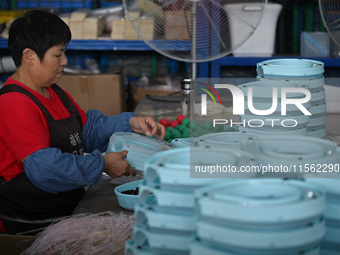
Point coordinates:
[[147, 126], [116, 165]]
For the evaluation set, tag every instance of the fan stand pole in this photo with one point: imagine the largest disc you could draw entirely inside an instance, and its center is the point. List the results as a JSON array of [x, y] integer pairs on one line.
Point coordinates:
[[194, 57], [193, 43]]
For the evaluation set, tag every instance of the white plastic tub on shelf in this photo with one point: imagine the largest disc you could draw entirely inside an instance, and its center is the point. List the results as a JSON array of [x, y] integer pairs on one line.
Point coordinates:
[[262, 41]]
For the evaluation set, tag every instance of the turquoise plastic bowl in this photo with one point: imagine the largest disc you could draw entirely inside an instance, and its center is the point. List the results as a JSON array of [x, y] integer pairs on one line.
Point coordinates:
[[128, 201]]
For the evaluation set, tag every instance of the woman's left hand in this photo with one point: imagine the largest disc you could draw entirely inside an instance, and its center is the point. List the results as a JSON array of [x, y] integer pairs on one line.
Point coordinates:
[[147, 126]]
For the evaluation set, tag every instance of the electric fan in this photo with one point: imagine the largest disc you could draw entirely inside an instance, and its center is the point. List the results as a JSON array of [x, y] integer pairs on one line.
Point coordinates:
[[194, 30], [330, 13]]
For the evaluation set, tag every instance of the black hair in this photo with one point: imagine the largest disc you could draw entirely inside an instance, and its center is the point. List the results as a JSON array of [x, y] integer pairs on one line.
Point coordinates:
[[38, 30]]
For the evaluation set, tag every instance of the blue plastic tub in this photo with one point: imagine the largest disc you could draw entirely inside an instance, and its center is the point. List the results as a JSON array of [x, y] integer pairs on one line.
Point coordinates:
[[125, 200]]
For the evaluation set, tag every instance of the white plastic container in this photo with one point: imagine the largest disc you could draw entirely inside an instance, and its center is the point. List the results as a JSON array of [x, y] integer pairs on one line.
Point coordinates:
[[262, 41]]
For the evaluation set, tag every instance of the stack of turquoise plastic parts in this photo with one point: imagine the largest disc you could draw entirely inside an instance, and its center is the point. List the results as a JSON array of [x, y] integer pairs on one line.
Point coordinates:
[[248, 214], [262, 94], [303, 73], [259, 217], [330, 244], [166, 214]]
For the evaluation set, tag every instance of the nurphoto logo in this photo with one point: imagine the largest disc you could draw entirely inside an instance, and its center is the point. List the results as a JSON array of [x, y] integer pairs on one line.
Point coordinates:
[[239, 103]]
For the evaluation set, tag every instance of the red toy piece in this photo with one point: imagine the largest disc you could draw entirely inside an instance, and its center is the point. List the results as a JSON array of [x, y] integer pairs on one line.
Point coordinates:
[[173, 123], [180, 118], [164, 122]]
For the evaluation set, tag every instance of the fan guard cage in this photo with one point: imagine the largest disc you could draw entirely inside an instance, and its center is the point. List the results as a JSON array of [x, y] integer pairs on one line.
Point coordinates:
[[330, 13], [193, 30]]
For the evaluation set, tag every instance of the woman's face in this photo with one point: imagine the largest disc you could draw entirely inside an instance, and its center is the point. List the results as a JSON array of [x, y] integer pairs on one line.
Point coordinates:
[[51, 68]]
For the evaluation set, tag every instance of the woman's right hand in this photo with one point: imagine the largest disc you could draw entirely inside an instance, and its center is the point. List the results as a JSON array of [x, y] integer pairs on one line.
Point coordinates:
[[116, 165]]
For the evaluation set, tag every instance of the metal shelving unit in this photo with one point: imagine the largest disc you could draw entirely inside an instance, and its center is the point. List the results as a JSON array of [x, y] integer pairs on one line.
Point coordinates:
[[213, 67], [117, 45], [100, 45]]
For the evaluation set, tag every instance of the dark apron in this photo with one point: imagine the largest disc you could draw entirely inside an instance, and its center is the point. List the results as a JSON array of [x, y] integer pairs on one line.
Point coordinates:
[[19, 198]]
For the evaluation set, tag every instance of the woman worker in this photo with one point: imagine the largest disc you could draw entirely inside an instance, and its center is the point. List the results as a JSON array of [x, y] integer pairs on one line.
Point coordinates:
[[44, 133]]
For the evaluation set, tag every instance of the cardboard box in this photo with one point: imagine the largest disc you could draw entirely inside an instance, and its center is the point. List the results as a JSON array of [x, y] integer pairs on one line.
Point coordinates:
[[130, 33], [146, 28], [157, 87], [76, 22], [80, 14], [177, 25], [15, 244], [76, 28], [66, 18], [118, 29], [93, 26], [102, 92]]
